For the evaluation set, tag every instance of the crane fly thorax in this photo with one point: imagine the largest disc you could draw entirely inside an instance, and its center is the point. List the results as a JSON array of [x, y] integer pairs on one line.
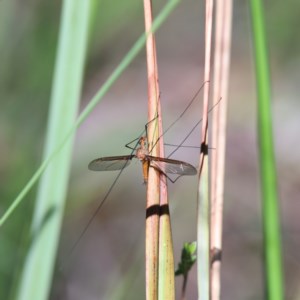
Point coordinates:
[[142, 151]]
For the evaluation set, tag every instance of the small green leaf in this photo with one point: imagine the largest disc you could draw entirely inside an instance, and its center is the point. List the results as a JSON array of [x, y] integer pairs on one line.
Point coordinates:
[[188, 258]]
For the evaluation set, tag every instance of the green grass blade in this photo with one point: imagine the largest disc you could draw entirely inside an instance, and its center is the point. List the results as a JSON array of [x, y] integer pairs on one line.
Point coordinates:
[[203, 201], [36, 279], [203, 230], [94, 101], [271, 223]]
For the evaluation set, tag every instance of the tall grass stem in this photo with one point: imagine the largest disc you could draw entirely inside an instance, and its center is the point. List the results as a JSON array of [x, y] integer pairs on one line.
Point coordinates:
[[270, 210], [219, 120], [153, 187]]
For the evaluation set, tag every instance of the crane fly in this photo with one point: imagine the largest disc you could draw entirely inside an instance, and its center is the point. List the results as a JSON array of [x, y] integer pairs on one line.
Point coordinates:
[[163, 165]]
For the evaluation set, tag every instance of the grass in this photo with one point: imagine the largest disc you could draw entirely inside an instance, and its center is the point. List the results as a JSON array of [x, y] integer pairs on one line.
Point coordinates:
[[160, 283], [268, 178], [203, 202], [47, 219]]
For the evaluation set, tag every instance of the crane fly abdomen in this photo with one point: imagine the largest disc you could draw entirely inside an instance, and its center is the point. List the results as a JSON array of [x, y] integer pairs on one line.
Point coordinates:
[[145, 164]]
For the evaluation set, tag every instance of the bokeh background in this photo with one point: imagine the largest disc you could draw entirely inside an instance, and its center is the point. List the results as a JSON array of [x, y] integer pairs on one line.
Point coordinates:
[[108, 261]]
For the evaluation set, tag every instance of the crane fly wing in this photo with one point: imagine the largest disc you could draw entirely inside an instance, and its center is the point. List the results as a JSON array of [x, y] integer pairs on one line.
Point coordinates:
[[110, 163], [172, 166]]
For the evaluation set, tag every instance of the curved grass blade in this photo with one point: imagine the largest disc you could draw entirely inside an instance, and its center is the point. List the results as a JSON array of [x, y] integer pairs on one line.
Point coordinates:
[[89, 108]]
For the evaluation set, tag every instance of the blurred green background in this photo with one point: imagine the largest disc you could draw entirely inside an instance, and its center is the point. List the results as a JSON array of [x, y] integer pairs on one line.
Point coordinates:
[[109, 258]]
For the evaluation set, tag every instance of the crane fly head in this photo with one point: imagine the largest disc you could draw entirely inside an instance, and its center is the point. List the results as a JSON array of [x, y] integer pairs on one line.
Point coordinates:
[[143, 141]]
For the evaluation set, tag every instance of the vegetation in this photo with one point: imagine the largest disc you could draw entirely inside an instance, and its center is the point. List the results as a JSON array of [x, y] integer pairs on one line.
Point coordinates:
[[108, 261]]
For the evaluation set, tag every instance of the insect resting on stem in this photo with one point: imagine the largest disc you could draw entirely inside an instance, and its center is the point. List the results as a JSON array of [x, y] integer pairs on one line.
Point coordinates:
[[163, 165]]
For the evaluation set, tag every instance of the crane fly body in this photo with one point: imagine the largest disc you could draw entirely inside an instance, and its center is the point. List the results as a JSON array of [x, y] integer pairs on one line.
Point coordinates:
[[163, 165]]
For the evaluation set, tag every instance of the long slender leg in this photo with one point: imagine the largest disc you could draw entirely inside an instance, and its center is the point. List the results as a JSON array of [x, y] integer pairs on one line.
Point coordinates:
[[146, 130], [129, 147], [146, 126], [137, 139]]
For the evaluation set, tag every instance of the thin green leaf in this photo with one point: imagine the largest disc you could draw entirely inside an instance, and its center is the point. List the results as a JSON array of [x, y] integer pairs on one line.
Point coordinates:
[[188, 258], [271, 223]]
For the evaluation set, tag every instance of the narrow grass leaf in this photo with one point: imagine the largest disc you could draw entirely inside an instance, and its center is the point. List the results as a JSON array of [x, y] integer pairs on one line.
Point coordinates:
[[203, 207], [271, 222], [37, 274]]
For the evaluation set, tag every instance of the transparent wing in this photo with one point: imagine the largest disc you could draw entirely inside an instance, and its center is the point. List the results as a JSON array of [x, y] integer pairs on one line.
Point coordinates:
[[172, 166], [110, 163]]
